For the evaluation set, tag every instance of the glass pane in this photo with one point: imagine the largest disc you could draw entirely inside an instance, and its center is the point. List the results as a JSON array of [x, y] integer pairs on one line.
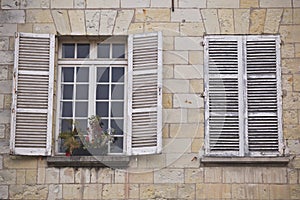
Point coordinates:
[[117, 109], [117, 92], [82, 92], [118, 74], [81, 109], [81, 125], [118, 50], [103, 50], [82, 74], [102, 92], [66, 125], [83, 50], [68, 50], [104, 124], [67, 91], [67, 74], [117, 145], [102, 109], [117, 125], [103, 74], [67, 109]]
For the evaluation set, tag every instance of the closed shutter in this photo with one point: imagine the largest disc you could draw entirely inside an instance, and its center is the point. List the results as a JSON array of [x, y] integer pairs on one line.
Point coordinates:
[[144, 93], [263, 95], [31, 125]]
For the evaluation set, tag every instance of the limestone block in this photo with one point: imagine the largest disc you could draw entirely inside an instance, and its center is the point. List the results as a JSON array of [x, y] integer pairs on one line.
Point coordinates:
[[136, 28], [184, 161], [192, 29], [28, 192], [165, 131], [34, 4], [135, 4], [141, 177], [186, 15], [249, 191], [103, 4], [92, 191], [295, 191], [186, 130], [20, 162], [61, 20], [211, 22], [168, 29], [290, 34], [293, 176], [175, 86], [26, 28], [294, 146], [263, 191], [158, 191], [55, 191], [105, 175], [188, 71], [290, 117], [287, 16], [107, 22], [194, 175], [223, 4], [296, 3], [77, 22], [31, 176], [7, 101], [290, 66], [257, 21], [46, 28], [8, 177], [61, 4], [21, 176], [10, 4], [273, 19], [196, 86], [6, 85], [169, 176], [197, 145], [177, 145], [152, 15], [41, 175], [296, 16], [4, 44], [291, 132], [248, 4], [296, 82], [8, 29], [274, 175], [94, 174], [161, 4], [288, 50], [188, 101], [174, 116], [196, 57], [216, 191], [123, 20], [134, 191], [72, 191], [92, 18], [233, 175], [167, 100], [4, 192], [175, 57], [279, 192], [188, 43], [196, 115], [113, 191], [79, 4], [168, 71], [192, 4], [67, 175], [120, 176], [82, 175], [226, 21], [2, 135], [297, 50], [253, 175], [275, 3], [52, 175], [213, 175], [12, 16], [186, 191], [152, 161]]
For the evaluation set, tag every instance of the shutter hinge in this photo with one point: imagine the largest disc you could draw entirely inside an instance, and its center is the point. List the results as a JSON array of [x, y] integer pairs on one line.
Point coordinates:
[[159, 91], [13, 110], [16, 35], [15, 74]]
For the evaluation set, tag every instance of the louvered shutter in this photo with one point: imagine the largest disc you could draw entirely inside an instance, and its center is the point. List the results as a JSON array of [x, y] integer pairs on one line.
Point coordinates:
[[222, 96], [31, 125], [144, 93], [263, 95]]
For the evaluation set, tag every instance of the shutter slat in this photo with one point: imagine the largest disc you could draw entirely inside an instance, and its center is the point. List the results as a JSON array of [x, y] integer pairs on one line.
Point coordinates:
[[33, 92]]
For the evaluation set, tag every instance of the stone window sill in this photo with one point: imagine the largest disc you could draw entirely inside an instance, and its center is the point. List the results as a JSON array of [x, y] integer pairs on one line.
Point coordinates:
[[89, 161], [272, 161]]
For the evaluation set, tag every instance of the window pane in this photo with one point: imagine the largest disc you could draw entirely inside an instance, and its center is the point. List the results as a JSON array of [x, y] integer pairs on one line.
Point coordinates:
[[102, 109], [117, 125], [66, 125], [82, 74], [118, 74], [82, 92], [67, 74], [81, 125], [118, 50], [117, 109], [102, 92], [83, 50], [103, 50], [67, 109], [68, 50], [117, 92], [103, 74], [117, 145], [67, 91], [81, 109], [104, 124]]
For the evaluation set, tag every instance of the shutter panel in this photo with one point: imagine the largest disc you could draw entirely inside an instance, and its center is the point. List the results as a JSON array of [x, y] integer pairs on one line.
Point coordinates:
[[263, 94], [144, 96], [222, 96], [31, 126]]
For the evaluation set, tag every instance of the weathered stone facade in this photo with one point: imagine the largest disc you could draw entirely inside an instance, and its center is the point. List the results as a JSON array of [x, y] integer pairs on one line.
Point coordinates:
[[176, 173]]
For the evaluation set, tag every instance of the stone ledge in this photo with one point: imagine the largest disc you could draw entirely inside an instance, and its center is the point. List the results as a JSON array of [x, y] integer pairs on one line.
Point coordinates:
[[273, 161], [89, 161]]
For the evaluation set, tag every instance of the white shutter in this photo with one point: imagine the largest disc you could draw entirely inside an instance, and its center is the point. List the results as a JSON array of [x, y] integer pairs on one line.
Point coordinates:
[[31, 125], [222, 95], [263, 95], [144, 93]]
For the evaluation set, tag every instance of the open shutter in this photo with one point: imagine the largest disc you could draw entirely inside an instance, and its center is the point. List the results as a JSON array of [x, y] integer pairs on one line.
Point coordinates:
[[31, 125], [222, 96], [263, 95], [144, 93]]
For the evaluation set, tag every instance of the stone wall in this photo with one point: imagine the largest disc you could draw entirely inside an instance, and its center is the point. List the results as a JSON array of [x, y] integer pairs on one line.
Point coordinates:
[[174, 174]]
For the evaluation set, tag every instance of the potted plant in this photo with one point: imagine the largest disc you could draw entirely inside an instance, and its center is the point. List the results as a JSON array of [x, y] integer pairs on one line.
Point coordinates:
[[70, 141]]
